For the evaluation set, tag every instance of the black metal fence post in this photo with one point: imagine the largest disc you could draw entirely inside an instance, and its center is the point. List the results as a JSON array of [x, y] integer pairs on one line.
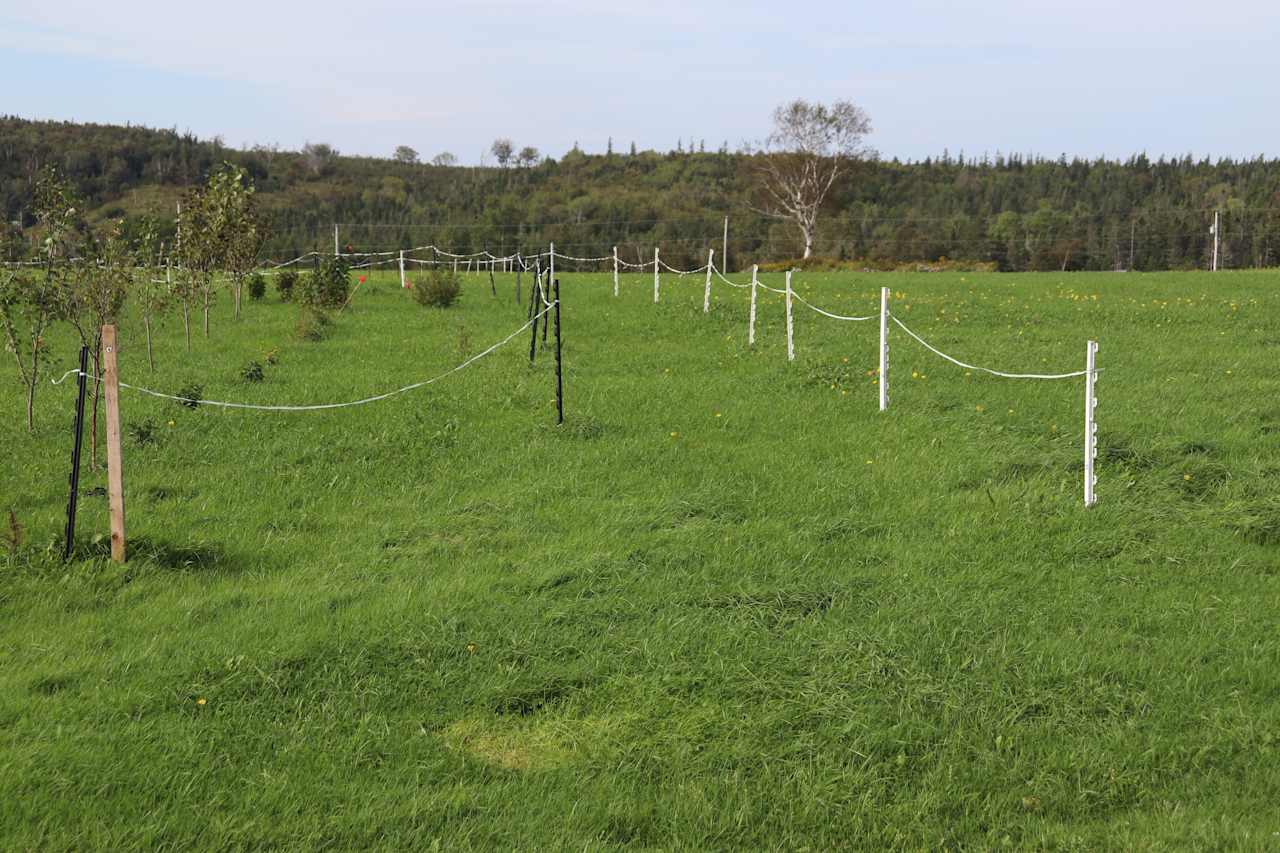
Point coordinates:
[[534, 296], [546, 317], [559, 375], [533, 291], [78, 442]]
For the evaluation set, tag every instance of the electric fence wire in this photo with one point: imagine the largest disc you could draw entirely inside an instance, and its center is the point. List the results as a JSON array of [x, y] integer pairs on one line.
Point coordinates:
[[320, 406]]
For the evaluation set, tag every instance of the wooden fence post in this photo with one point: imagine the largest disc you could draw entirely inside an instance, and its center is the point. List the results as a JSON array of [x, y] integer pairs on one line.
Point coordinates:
[[115, 458]]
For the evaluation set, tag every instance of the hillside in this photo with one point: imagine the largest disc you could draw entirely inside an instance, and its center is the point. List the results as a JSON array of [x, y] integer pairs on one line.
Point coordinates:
[[1019, 212]]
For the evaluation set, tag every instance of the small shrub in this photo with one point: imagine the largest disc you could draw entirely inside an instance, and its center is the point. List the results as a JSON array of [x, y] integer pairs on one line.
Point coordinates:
[[326, 286], [257, 286], [313, 324], [142, 434], [439, 289], [272, 356], [252, 372], [286, 280], [191, 395]]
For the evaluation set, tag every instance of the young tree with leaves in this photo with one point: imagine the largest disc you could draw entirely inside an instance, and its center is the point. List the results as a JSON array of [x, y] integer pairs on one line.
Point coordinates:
[[200, 250], [95, 293], [27, 307], [30, 304], [242, 232], [154, 287]]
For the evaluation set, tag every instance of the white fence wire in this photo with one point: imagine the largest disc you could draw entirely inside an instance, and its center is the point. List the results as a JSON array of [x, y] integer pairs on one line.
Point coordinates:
[[321, 406]]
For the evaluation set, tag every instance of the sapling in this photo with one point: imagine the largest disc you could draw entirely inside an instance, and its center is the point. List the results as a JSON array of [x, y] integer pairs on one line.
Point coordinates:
[[28, 305]]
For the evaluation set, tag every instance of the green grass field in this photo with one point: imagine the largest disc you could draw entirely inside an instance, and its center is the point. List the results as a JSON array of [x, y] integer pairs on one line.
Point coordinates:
[[728, 604]]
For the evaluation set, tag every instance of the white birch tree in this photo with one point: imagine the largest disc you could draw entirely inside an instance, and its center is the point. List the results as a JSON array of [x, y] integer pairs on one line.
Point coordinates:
[[810, 147]]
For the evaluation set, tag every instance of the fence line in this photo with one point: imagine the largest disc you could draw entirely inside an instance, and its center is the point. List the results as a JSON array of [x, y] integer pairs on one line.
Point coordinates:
[[321, 406], [999, 373]]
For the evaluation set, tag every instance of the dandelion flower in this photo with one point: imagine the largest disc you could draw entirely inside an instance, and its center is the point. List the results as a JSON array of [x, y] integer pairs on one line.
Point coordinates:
[[1186, 476], [201, 701], [675, 435], [978, 408]]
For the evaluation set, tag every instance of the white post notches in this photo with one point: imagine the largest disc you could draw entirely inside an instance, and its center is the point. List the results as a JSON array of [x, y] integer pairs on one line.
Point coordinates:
[[706, 294], [615, 270], [884, 348], [751, 326], [402, 283], [1090, 424], [791, 341], [655, 274]]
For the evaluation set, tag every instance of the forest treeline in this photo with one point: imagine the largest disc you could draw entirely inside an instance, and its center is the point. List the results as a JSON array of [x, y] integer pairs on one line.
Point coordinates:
[[1018, 212]]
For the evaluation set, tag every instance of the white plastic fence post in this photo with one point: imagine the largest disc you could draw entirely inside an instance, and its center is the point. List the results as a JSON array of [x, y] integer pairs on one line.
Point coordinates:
[[615, 270], [791, 341], [1214, 230], [724, 254], [551, 276], [706, 294], [455, 266], [655, 274], [335, 240], [402, 284], [751, 326], [1090, 424], [884, 348]]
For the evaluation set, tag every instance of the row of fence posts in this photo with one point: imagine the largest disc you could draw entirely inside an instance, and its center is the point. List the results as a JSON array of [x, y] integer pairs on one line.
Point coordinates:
[[111, 388], [1091, 372]]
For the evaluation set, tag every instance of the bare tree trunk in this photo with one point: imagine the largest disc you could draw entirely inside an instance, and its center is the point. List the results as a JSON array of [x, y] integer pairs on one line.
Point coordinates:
[[35, 381], [186, 321], [807, 231], [206, 313], [236, 291], [151, 362]]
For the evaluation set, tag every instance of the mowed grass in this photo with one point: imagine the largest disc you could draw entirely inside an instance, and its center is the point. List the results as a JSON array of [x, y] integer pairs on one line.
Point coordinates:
[[728, 604]]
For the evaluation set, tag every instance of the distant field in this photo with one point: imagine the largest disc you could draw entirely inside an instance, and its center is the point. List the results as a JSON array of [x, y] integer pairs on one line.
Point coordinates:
[[727, 604]]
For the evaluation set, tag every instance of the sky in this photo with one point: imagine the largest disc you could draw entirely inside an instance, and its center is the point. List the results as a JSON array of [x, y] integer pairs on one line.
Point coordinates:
[[1083, 78]]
